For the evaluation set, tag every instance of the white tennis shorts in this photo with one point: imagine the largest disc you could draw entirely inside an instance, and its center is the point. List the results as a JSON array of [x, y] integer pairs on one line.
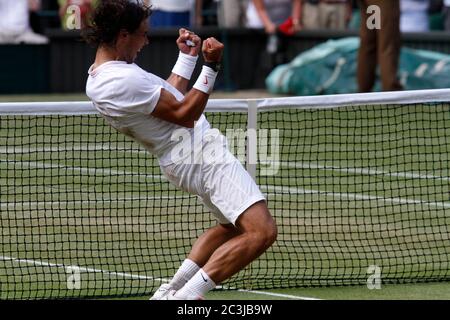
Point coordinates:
[[223, 184]]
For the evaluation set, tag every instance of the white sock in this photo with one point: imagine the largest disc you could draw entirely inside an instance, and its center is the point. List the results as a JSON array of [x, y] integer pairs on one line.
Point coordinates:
[[186, 271], [199, 285]]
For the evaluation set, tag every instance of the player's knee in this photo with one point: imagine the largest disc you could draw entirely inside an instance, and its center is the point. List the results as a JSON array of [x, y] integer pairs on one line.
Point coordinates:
[[267, 234], [259, 226]]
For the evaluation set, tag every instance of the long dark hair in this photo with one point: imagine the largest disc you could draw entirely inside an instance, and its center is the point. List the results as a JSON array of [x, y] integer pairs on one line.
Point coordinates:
[[111, 16]]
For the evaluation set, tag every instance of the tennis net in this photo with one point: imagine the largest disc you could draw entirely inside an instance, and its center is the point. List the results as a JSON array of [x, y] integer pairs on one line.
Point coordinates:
[[356, 183]]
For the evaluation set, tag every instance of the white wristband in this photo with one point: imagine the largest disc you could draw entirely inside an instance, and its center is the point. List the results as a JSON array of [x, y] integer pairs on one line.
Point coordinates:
[[185, 65], [206, 79]]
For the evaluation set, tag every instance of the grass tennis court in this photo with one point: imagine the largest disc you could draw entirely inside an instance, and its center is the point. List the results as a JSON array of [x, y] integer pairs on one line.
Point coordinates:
[[78, 198]]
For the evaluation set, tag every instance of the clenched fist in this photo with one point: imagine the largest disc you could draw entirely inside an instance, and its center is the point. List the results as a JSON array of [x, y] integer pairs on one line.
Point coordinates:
[[188, 42], [212, 50]]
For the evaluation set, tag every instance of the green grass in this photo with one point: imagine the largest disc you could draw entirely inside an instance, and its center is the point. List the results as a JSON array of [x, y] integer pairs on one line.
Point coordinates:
[[420, 291], [354, 189], [417, 291]]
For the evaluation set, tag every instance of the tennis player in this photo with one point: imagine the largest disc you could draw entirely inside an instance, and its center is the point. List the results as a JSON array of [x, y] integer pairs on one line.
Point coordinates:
[[152, 111]]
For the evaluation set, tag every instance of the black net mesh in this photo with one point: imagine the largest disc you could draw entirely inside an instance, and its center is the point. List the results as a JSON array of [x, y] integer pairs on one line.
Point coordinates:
[[86, 212]]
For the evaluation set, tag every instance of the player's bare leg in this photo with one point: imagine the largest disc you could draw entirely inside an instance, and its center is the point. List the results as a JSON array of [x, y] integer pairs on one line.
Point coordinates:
[[209, 241], [256, 231], [202, 250]]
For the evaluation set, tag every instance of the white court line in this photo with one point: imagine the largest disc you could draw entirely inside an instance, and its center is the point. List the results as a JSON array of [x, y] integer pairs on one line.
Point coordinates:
[[81, 269], [105, 172], [86, 148], [288, 296], [133, 276], [360, 171], [283, 164], [281, 295], [269, 188], [351, 196], [58, 204]]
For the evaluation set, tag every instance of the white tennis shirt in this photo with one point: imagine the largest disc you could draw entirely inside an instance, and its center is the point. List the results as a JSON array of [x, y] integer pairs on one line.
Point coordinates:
[[126, 95]]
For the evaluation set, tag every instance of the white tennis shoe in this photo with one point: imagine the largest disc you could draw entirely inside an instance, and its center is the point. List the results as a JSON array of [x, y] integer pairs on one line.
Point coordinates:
[[162, 292], [171, 296]]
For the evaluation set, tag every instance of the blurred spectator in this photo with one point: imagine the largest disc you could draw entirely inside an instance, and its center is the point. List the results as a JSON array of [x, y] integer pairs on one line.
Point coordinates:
[[436, 14], [205, 13], [334, 14], [171, 13], [325, 14], [231, 13], [85, 6], [45, 17], [447, 15], [269, 14], [309, 16], [414, 16], [34, 5], [380, 44], [355, 19], [15, 22]]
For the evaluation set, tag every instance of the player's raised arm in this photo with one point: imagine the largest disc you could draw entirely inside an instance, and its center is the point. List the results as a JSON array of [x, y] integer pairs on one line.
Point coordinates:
[[189, 110], [189, 45]]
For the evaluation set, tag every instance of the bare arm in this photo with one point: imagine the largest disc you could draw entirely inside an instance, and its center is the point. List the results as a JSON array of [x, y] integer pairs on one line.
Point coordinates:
[[269, 26], [296, 14], [189, 110], [198, 13], [183, 113], [178, 82]]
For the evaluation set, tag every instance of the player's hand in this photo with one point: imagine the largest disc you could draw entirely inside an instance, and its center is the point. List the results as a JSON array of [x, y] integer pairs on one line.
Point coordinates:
[[270, 28], [188, 42], [212, 50]]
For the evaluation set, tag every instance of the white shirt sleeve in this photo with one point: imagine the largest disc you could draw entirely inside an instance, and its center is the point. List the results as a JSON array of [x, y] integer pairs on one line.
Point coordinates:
[[139, 95]]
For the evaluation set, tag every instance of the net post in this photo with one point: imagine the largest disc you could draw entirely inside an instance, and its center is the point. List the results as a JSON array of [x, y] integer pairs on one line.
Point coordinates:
[[252, 141]]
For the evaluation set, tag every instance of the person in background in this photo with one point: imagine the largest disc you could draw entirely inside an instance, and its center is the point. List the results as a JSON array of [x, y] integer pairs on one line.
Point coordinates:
[[325, 14], [309, 15], [86, 8], [171, 13], [414, 16], [43, 16], [379, 46], [205, 13], [334, 14], [436, 15], [276, 17], [231, 13], [446, 10], [269, 14], [15, 22]]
